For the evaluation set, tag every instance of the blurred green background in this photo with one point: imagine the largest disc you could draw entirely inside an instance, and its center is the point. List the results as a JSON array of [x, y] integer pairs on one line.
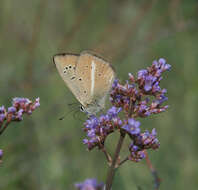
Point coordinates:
[[44, 153]]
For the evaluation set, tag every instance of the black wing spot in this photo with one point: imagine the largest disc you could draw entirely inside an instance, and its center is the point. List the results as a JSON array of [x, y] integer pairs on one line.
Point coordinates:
[[73, 78], [99, 74], [85, 91], [66, 67], [79, 79], [64, 71], [70, 66]]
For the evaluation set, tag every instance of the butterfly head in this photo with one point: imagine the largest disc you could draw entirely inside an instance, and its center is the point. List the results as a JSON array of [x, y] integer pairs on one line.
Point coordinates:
[[93, 107], [90, 109]]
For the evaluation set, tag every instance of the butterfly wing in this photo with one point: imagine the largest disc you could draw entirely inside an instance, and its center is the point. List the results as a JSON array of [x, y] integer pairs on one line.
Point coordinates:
[[66, 66], [97, 77]]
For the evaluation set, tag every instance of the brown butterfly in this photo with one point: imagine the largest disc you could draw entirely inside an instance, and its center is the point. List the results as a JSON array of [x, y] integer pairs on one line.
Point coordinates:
[[88, 76]]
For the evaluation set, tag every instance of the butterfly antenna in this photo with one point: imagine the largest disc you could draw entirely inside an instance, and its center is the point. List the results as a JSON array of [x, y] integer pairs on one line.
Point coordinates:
[[72, 106], [76, 114], [66, 114]]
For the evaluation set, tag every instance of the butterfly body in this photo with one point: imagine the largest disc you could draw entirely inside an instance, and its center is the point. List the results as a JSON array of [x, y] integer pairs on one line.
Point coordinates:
[[88, 76]]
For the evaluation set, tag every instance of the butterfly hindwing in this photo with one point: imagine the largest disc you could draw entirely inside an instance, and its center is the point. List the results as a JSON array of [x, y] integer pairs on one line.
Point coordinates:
[[97, 76]]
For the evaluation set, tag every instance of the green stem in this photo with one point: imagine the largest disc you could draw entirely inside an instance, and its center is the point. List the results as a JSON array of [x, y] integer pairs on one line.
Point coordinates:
[[111, 171]]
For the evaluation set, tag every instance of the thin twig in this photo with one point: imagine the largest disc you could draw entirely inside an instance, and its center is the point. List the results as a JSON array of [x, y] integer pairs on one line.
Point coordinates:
[[111, 171], [107, 155], [4, 127], [154, 173], [123, 161]]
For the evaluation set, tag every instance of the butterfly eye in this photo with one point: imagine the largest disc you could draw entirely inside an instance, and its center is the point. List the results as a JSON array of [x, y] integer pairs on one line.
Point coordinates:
[[82, 109]]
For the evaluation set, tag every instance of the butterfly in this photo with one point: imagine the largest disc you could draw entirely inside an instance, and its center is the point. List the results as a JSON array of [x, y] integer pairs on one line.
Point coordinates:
[[88, 76]]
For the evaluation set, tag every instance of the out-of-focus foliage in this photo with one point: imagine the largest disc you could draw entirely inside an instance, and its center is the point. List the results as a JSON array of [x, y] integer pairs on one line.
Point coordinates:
[[45, 153]]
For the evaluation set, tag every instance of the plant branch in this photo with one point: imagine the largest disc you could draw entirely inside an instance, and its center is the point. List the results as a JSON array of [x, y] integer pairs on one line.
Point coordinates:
[[111, 171], [123, 161], [107, 155], [4, 127], [154, 173]]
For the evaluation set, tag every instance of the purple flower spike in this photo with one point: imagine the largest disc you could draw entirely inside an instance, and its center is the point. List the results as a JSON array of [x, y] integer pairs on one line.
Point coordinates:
[[19, 107], [138, 97], [98, 129], [89, 184]]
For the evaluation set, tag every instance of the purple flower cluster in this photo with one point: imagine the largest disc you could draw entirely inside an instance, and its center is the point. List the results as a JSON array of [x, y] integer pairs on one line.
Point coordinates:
[[18, 108], [89, 184], [139, 97], [16, 111], [141, 142], [99, 128], [143, 96]]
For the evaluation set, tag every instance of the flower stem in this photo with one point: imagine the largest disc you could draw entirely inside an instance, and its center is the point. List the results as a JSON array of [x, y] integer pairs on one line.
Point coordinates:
[[111, 171], [123, 161], [154, 173], [4, 127], [108, 157]]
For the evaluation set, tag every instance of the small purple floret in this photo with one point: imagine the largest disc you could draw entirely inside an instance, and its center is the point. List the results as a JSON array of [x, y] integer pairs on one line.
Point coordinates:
[[11, 109], [132, 127], [1, 153], [2, 117], [89, 184]]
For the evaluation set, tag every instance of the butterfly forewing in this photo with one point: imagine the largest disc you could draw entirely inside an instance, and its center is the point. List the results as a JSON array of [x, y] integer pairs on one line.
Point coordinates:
[[66, 66]]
